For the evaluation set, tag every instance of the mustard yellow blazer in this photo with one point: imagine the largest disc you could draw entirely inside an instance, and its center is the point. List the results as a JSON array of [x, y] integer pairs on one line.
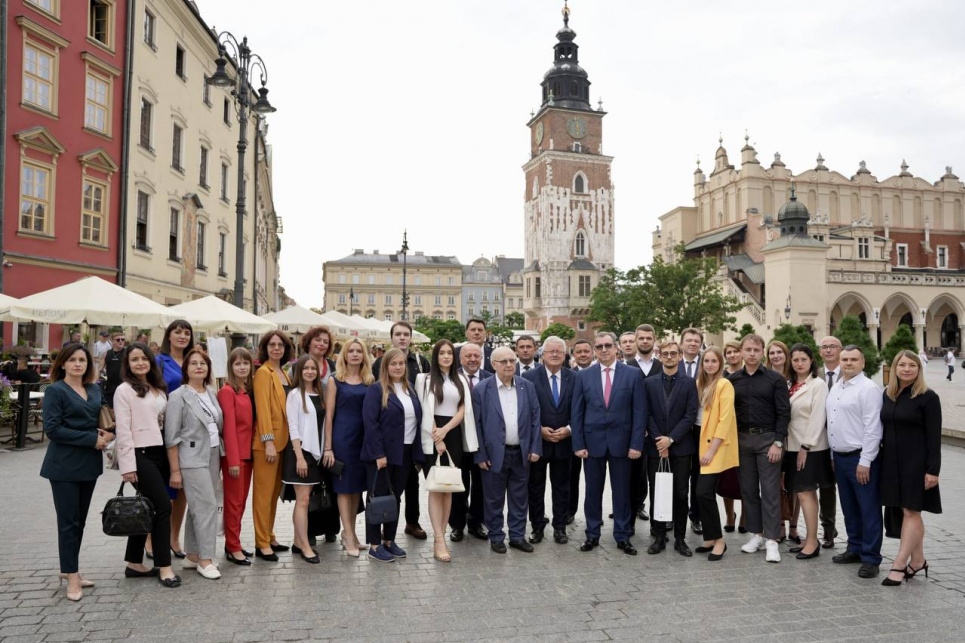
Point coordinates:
[[720, 421], [270, 399]]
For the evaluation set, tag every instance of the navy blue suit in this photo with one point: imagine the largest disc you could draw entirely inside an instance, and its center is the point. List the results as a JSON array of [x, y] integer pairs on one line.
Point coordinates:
[[556, 455], [608, 432], [672, 416], [508, 464]]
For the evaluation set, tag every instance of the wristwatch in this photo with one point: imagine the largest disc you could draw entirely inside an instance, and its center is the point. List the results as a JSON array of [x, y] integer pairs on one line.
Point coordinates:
[[778, 444], [805, 447]]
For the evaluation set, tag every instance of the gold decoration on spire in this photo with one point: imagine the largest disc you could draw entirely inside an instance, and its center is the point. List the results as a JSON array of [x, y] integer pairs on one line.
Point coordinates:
[[566, 13]]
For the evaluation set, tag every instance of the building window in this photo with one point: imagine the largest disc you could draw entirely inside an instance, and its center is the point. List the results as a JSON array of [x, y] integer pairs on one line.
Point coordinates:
[[584, 286], [371, 280], [942, 257], [93, 212], [418, 300], [371, 300], [101, 23], [452, 281], [387, 317], [140, 227], [201, 243], [580, 244], [519, 303], [902, 250], [203, 173], [147, 116], [581, 325], [206, 91], [485, 295], [341, 279], [509, 303], [452, 300], [178, 135], [179, 62], [150, 26], [355, 279], [538, 289], [451, 316], [222, 253], [35, 196], [39, 76], [388, 300], [174, 247], [472, 311], [224, 182], [437, 316], [46, 5], [527, 287], [418, 281], [227, 112], [438, 281], [438, 300], [579, 183], [496, 296], [97, 107], [864, 248], [341, 298], [472, 296], [388, 280]]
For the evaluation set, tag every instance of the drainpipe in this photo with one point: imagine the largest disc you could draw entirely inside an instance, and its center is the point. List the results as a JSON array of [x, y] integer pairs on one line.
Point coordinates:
[[126, 149], [3, 134]]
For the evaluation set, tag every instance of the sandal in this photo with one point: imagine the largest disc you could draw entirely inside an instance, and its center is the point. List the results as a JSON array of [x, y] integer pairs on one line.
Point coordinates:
[[447, 556]]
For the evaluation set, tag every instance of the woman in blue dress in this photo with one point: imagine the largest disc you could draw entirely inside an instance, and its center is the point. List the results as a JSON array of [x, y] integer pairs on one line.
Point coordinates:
[[344, 433]]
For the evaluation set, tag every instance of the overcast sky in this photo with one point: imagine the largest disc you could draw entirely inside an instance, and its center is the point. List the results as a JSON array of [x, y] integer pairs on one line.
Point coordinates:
[[396, 115]]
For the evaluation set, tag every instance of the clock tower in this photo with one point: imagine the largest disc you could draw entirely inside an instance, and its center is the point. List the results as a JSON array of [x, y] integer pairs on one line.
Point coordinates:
[[568, 202]]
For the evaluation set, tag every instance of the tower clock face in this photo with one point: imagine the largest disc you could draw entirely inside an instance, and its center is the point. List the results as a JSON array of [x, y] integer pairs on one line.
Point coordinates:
[[576, 127], [539, 132]]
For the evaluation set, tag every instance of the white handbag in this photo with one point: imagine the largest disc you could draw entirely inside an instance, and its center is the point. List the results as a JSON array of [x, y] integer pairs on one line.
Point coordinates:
[[662, 510], [445, 478]]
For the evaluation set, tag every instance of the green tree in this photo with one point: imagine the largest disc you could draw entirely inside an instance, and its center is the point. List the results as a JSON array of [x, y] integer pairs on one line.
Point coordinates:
[[745, 330], [437, 329], [851, 331], [791, 335], [902, 340], [669, 296], [562, 331], [501, 334], [515, 321]]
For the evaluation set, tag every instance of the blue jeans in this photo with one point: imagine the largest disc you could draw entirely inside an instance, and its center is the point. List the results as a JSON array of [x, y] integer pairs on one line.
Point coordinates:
[[861, 506]]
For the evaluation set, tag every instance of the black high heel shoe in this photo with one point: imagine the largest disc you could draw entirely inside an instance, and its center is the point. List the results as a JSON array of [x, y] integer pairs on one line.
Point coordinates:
[[914, 571], [887, 582]]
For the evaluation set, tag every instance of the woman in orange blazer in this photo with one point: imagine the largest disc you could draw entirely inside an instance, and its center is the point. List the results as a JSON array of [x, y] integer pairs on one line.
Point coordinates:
[[271, 437], [717, 446]]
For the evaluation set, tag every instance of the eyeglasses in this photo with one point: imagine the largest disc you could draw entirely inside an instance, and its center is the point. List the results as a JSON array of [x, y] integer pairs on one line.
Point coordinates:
[[120, 339], [669, 354], [503, 362], [827, 347], [555, 351], [604, 347]]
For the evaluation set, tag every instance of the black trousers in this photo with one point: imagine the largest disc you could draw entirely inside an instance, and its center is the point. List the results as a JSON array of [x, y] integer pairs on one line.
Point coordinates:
[[559, 473], [71, 503], [694, 510], [707, 501], [467, 507], [576, 468], [412, 497], [828, 503], [680, 468], [638, 486], [397, 475], [152, 478]]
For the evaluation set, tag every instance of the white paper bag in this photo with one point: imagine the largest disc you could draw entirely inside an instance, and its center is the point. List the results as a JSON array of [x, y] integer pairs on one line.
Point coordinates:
[[662, 509]]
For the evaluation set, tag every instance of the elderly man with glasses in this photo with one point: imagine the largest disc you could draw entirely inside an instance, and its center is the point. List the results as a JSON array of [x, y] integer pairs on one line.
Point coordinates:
[[608, 420]]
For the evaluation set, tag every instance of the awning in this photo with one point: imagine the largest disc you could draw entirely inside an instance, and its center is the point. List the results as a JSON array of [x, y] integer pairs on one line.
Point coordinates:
[[716, 238]]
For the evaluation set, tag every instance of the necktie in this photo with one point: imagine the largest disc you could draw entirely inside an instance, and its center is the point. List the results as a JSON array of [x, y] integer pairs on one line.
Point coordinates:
[[472, 381], [526, 368], [830, 380], [606, 387], [690, 369], [556, 391]]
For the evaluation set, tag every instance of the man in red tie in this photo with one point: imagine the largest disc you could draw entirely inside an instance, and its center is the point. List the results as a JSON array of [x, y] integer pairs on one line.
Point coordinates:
[[608, 420]]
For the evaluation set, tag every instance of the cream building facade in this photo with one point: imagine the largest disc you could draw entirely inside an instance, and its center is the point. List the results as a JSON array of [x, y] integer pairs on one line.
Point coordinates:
[[809, 248]]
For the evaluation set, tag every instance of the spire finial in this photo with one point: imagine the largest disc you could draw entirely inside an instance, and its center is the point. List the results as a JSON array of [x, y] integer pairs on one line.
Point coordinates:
[[720, 137], [747, 137], [566, 13], [698, 161], [793, 191]]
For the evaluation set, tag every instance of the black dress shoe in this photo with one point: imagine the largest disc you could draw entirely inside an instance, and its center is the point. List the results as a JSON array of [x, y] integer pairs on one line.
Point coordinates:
[[681, 548], [802, 556], [271, 558], [559, 536], [329, 538], [521, 545], [312, 541], [457, 535], [499, 548], [314, 560], [296, 549], [536, 538], [868, 570], [658, 544], [478, 532], [696, 527], [828, 541], [136, 573], [590, 544], [703, 550], [278, 548], [180, 555], [715, 557], [642, 514], [236, 561], [570, 518], [729, 529], [627, 548], [846, 558], [174, 581]]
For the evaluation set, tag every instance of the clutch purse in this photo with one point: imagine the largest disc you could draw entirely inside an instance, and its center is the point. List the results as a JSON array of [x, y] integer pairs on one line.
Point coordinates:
[[128, 515], [336, 469], [445, 479], [381, 509], [105, 419]]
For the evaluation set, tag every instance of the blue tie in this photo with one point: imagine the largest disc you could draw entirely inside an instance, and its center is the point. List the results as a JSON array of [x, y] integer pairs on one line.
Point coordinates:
[[556, 391]]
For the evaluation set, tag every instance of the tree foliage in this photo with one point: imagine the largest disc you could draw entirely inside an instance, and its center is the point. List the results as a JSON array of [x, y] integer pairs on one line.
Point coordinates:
[[791, 335], [902, 340], [562, 331], [515, 321], [437, 329], [745, 330], [669, 296], [851, 331]]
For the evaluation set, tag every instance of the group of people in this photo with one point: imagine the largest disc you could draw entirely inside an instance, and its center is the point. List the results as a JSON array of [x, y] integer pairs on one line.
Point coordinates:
[[760, 419]]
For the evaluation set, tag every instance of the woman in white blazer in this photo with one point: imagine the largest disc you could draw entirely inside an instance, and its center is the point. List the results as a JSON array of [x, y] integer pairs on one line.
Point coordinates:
[[193, 423], [807, 462], [448, 426]]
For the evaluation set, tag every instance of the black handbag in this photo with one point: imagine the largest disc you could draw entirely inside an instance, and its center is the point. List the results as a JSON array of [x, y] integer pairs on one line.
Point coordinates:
[[320, 500], [381, 509], [128, 515]]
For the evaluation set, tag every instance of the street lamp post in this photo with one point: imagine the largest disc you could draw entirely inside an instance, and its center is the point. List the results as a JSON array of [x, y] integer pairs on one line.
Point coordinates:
[[787, 308], [245, 63], [351, 300], [405, 293]]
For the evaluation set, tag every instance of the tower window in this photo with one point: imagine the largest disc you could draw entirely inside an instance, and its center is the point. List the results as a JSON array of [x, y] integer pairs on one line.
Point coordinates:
[[580, 244], [574, 89], [579, 183]]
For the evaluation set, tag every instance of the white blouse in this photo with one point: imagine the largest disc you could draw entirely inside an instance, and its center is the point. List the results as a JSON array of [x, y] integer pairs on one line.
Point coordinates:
[[212, 413], [450, 399], [411, 427]]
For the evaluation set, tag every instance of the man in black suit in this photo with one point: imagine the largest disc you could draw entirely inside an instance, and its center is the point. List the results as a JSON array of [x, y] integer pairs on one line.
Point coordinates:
[[525, 354], [672, 401], [468, 507], [644, 359], [554, 390], [582, 354], [476, 334]]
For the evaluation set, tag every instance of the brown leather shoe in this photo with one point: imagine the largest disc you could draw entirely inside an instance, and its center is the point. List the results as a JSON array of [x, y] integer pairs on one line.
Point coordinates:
[[416, 531]]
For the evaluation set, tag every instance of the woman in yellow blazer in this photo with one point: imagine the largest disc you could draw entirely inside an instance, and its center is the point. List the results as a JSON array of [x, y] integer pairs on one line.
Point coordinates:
[[717, 446], [270, 439]]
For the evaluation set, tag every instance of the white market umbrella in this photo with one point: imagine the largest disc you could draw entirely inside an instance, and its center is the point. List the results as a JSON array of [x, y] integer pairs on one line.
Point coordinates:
[[296, 319], [213, 314], [376, 331], [92, 300], [417, 337], [345, 326]]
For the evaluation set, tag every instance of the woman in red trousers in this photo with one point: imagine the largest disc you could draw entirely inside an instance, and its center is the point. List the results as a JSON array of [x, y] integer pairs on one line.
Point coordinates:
[[235, 400]]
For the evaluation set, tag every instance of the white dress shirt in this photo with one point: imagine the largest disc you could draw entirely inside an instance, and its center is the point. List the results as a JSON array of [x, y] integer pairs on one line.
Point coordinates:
[[854, 417], [645, 364], [689, 368], [409, 408], [473, 379], [613, 374], [527, 367], [507, 401], [837, 375]]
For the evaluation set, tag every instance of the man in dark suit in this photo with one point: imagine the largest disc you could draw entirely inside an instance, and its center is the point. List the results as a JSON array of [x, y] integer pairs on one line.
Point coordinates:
[[672, 400], [476, 334], [507, 424], [608, 419], [645, 360], [691, 341], [554, 390], [582, 354], [525, 354], [467, 506]]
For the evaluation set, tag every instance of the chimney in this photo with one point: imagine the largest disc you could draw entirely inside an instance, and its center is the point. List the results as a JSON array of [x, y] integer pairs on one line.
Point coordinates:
[[359, 251], [375, 252], [419, 253]]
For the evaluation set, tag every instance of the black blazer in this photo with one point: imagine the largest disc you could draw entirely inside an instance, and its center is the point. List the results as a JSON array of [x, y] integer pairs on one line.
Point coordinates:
[[550, 414], [674, 419], [656, 369], [71, 425]]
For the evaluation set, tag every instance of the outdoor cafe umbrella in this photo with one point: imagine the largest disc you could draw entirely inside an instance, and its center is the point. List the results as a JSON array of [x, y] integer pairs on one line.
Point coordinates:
[[344, 326], [213, 314], [296, 319]]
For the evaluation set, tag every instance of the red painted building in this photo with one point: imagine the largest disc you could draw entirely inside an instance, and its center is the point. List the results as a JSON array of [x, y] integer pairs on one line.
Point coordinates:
[[63, 139]]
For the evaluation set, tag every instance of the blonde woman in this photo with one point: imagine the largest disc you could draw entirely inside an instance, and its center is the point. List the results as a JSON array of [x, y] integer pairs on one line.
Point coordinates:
[[778, 357], [717, 446], [732, 357], [911, 459], [345, 432]]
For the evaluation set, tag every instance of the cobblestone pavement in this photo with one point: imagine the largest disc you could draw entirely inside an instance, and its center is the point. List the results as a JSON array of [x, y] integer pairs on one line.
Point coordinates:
[[952, 393], [558, 593]]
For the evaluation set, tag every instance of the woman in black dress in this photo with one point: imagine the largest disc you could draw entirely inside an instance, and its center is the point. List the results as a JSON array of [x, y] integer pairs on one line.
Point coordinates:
[[911, 416]]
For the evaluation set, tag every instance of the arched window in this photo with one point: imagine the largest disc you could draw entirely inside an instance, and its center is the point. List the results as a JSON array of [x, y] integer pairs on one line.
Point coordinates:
[[535, 187], [580, 244], [579, 183]]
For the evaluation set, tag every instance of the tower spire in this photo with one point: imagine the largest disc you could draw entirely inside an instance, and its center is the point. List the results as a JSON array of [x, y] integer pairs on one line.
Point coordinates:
[[566, 82], [566, 13]]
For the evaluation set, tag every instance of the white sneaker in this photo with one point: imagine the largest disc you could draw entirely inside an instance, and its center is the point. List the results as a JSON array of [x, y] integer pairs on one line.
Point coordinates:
[[773, 555], [753, 545], [210, 572]]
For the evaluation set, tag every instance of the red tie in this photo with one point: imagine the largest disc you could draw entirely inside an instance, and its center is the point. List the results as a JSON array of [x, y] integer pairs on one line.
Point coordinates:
[[606, 387]]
